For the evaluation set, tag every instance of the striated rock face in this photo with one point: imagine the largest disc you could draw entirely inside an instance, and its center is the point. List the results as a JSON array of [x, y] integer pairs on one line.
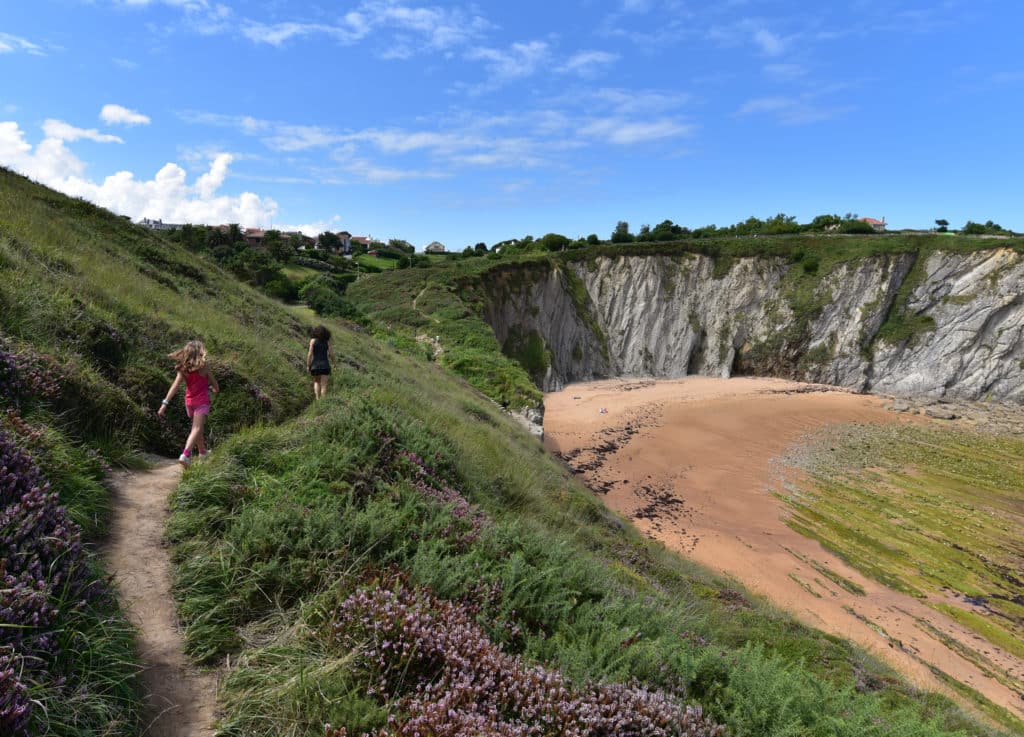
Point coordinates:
[[952, 325], [976, 349]]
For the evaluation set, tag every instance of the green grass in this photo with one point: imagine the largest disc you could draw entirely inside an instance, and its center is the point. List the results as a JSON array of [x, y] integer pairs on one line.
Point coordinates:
[[286, 521], [299, 273], [385, 264], [96, 303], [290, 515]]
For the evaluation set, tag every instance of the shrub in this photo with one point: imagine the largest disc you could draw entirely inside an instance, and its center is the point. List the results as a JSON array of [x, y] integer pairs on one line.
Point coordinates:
[[45, 584], [450, 680]]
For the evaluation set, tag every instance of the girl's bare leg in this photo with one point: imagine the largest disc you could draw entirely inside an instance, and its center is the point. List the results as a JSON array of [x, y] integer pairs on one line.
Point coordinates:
[[323, 385], [198, 421]]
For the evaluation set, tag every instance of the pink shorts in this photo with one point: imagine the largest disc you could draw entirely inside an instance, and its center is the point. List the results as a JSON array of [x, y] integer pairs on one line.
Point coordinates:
[[203, 409]]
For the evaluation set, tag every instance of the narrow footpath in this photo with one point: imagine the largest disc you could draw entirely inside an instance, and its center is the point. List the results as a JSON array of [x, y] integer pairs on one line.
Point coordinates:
[[182, 700]]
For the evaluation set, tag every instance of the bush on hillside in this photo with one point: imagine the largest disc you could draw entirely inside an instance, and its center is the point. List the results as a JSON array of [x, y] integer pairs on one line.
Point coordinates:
[[50, 601], [450, 680], [324, 295]]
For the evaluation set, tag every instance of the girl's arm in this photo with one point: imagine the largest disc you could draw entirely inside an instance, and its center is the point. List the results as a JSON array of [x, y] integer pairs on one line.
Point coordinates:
[[309, 355], [330, 352], [170, 394], [213, 380]]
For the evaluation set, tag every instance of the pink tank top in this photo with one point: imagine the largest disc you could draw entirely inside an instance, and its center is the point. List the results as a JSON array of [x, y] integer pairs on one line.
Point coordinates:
[[197, 389]]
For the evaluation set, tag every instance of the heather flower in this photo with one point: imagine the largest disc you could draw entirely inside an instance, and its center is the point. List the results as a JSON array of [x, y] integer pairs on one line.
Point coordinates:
[[447, 679], [25, 374], [43, 576], [468, 522]]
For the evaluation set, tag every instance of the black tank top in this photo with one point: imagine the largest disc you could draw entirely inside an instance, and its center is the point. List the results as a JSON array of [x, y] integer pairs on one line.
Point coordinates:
[[320, 353]]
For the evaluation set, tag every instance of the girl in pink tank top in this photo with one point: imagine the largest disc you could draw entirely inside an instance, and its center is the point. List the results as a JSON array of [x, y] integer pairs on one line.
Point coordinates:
[[190, 363]]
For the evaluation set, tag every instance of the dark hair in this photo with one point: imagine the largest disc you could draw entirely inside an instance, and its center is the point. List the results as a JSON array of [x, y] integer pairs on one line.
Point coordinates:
[[320, 332]]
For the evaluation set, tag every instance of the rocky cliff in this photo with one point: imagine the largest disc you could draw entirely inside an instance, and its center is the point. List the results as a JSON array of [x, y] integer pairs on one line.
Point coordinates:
[[937, 323]]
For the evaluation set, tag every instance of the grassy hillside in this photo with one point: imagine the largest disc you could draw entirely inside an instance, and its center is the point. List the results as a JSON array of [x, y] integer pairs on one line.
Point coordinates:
[[400, 558], [405, 528], [89, 307]]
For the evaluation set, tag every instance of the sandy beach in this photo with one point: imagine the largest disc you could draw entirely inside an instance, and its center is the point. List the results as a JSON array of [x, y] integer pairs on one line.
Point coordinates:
[[691, 462]]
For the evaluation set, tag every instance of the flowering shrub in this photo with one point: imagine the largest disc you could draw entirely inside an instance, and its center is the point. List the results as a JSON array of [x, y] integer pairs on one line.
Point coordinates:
[[25, 373], [15, 707], [450, 680], [467, 521], [43, 575]]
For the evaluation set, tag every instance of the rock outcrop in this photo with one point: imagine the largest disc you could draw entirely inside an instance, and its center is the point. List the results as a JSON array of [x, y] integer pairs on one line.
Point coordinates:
[[945, 324]]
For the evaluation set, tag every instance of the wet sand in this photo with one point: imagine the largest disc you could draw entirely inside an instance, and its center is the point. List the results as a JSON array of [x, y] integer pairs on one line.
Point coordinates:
[[690, 461]]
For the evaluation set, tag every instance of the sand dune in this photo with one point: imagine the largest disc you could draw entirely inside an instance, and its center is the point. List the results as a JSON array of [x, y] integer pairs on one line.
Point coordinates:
[[691, 462]]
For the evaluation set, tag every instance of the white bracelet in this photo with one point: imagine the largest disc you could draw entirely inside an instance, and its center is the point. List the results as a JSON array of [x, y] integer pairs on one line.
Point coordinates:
[[164, 402]]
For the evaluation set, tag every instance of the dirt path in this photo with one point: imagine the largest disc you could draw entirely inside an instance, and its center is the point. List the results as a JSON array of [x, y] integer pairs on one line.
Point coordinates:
[[690, 461], [182, 700]]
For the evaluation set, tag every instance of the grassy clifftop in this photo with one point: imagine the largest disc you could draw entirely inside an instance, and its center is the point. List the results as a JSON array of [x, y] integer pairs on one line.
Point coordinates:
[[446, 300]]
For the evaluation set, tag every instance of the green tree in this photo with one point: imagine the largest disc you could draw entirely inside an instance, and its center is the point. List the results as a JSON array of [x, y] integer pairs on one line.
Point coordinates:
[[554, 242], [593, 240], [330, 241], [824, 222], [480, 248], [943, 225], [621, 233], [401, 245], [856, 227]]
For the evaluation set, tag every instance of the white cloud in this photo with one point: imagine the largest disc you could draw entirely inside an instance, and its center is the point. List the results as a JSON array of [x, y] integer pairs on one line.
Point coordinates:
[[376, 174], [295, 137], [800, 110], [770, 43], [420, 28], [521, 59], [118, 115], [332, 224], [9, 44], [628, 132], [784, 72], [278, 33], [61, 131], [167, 196], [628, 101], [588, 63], [636, 6]]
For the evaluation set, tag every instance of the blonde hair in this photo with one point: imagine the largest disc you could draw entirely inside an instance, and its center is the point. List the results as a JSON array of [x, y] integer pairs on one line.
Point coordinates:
[[190, 358]]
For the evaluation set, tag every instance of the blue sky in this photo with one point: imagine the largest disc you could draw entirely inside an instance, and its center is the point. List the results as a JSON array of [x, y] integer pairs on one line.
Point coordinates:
[[487, 120]]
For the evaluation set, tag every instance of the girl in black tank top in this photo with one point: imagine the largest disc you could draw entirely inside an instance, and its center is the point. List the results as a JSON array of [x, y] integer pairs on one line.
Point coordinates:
[[319, 359]]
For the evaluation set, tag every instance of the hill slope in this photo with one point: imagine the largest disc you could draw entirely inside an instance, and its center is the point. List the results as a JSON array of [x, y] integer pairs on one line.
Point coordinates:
[[89, 307], [405, 510]]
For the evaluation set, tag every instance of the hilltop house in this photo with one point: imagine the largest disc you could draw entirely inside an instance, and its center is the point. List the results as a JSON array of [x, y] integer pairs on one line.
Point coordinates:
[[435, 247], [158, 224], [878, 225], [254, 236]]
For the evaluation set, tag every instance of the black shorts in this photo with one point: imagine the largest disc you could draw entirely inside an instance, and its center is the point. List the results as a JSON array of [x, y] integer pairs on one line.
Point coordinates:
[[317, 370]]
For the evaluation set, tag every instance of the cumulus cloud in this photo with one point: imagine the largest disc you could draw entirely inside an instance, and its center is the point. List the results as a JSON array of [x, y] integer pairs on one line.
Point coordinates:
[[167, 196], [118, 115]]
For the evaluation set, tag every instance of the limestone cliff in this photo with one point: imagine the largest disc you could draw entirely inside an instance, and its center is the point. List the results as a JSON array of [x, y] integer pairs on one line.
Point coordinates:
[[941, 324]]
